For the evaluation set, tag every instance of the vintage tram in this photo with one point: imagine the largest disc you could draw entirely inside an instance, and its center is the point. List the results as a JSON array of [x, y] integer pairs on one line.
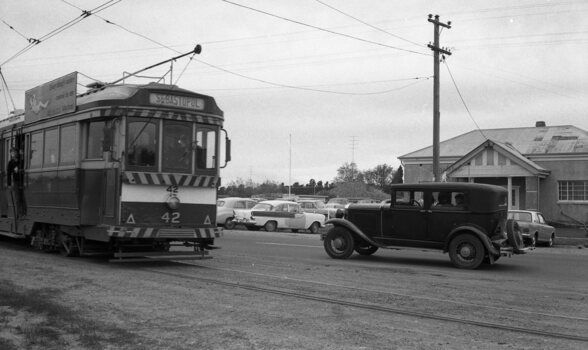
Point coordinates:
[[124, 170]]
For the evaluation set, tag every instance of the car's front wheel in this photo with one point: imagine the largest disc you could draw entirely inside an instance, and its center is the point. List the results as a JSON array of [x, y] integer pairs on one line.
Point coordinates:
[[339, 243], [466, 251], [551, 240]]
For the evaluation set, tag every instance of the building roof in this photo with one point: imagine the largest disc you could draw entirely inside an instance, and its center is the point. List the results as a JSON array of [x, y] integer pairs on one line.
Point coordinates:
[[528, 141]]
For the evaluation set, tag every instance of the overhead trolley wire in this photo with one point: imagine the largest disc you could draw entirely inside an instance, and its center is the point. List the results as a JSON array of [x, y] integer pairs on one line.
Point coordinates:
[[35, 41], [324, 29], [368, 24], [418, 79], [6, 89]]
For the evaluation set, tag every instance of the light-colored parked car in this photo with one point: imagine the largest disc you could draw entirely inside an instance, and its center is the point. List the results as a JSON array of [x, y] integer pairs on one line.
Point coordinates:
[[314, 206], [225, 208], [533, 227], [278, 214]]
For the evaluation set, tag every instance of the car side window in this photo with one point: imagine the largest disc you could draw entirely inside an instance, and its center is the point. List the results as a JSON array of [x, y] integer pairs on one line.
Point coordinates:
[[448, 200], [250, 204], [540, 219], [408, 199], [239, 205]]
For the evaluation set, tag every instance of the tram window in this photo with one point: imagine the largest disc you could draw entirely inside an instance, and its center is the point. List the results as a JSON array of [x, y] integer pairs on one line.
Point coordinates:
[[206, 149], [95, 139], [67, 149], [177, 146], [51, 147], [36, 156], [141, 143]]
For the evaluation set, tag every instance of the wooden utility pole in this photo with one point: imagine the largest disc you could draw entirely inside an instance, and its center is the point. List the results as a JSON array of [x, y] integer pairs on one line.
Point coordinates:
[[436, 114]]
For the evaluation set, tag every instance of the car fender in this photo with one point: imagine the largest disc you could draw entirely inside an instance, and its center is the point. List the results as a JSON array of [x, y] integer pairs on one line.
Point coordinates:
[[477, 232], [355, 231]]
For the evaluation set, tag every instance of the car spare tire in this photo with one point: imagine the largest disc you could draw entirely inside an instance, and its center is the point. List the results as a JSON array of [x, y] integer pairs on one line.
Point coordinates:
[[515, 238]]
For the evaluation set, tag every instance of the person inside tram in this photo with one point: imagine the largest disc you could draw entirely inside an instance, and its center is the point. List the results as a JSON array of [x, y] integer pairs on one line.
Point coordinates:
[[14, 180]]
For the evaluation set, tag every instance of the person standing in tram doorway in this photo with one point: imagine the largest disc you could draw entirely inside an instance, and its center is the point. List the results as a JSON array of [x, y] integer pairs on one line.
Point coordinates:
[[14, 180]]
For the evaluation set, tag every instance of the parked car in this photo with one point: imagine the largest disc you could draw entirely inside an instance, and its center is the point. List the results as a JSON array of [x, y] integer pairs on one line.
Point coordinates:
[[334, 208], [278, 214], [534, 228], [226, 206], [314, 206], [468, 221], [339, 200]]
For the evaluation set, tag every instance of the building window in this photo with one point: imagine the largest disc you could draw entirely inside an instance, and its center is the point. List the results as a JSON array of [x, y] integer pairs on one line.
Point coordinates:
[[576, 190]]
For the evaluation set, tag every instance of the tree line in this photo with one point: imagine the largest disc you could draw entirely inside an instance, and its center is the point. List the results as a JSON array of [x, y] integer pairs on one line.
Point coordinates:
[[349, 182]]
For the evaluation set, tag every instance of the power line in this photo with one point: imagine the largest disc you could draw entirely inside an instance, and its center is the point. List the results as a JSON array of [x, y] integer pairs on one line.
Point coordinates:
[[324, 29], [306, 88], [367, 24], [257, 79], [462, 100]]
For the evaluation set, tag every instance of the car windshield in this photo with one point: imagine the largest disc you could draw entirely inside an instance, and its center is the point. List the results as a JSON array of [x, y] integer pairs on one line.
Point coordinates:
[[263, 207]]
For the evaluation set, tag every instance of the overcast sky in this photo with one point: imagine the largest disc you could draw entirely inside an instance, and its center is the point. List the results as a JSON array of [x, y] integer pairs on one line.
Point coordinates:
[[344, 79]]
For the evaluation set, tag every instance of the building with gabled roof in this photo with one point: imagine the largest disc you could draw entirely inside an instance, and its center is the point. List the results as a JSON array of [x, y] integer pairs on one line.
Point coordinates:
[[544, 167]]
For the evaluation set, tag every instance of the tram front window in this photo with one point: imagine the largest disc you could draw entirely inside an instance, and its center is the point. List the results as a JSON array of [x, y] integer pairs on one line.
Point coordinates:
[[177, 146], [142, 143]]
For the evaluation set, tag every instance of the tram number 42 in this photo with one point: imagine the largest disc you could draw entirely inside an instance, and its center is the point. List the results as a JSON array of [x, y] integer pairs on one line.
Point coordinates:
[[173, 217]]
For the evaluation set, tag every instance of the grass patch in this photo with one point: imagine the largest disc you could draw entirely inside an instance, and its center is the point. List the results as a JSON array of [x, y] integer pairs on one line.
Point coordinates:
[[35, 320]]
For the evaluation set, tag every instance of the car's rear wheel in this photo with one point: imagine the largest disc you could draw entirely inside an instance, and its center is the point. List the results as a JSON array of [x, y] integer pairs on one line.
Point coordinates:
[[314, 228], [515, 238], [365, 249], [466, 251], [339, 243], [229, 224], [271, 226]]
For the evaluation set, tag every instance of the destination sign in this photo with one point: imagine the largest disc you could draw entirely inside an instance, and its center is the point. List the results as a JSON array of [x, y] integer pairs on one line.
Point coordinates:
[[176, 101]]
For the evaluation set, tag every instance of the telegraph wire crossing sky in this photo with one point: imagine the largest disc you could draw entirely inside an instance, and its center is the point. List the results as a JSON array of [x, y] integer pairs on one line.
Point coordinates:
[[321, 72]]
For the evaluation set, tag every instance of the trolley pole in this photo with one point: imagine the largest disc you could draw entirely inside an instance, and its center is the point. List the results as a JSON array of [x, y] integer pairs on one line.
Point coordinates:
[[436, 114]]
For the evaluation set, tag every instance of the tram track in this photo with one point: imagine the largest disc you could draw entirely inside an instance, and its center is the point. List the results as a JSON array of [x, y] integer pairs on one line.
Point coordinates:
[[377, 308]]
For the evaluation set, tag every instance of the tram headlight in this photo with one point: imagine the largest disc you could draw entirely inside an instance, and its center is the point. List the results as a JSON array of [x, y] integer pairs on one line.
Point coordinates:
[[173, 203]]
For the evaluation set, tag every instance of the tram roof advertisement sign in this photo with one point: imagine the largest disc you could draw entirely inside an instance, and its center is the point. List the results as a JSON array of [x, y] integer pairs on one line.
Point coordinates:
[[51, 99]]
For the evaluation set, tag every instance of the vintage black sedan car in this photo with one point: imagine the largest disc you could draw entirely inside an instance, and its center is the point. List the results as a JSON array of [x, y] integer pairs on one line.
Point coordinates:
[[468, 221]]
